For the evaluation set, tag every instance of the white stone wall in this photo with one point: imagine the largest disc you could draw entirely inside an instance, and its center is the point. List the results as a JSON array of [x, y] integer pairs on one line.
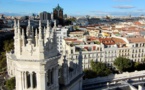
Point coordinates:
[[38, 60], [109, 54]]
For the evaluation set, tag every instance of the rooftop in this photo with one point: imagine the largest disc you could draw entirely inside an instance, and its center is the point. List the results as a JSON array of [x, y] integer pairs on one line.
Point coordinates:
[[58, 8], [136, 40], [118, 40], [107, 41]]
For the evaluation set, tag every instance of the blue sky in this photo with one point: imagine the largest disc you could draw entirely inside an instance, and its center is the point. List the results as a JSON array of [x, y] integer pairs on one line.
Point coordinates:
[[74, 7]]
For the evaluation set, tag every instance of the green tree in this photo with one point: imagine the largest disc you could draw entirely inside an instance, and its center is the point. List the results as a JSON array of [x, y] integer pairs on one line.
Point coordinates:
[[100, 68], [97, 69], [136, 65], [89, 73], [96, 42], [123, 64], [10, 83], [7, 46]]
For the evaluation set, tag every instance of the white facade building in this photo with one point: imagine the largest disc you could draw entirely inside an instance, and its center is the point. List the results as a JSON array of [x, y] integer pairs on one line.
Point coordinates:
[[132, 48], [61, 34], [37, 65]]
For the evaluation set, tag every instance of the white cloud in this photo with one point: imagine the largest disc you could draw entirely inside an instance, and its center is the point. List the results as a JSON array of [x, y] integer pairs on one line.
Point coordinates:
[[31, 0], [117, 13], [122, 0], [124, 7], [100, 12]]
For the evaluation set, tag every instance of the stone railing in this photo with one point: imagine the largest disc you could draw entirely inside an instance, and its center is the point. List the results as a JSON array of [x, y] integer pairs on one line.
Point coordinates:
[[116, 77], [12, 57], [74, 74]]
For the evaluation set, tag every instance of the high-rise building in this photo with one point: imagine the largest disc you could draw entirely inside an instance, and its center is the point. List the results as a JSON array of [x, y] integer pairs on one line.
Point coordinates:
[[45, 16], [36, 63], [58, 14]]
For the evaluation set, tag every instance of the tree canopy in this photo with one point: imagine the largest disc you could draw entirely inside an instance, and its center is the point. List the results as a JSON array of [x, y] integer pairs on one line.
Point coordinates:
[[97, 69], [10, 83], [7, 46], [123, 64]]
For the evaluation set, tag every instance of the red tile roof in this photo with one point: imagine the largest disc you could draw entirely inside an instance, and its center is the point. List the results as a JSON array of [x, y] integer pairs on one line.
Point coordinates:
[[118, 40], [137, 23], [107, 41], [136, 40]]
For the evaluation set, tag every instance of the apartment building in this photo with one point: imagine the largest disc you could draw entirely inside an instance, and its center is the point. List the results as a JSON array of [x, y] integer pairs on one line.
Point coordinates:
[[61, 34], [104, 44]]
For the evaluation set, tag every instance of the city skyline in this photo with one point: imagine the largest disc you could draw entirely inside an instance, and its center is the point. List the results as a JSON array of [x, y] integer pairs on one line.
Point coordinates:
[[74, 7]]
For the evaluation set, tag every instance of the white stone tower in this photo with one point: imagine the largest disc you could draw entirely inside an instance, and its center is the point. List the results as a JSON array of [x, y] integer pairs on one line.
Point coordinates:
[[34, 62]]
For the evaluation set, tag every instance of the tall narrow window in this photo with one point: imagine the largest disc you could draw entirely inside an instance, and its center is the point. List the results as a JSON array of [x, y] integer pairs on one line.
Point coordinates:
[[51, 76], [34, 80], [28, 80], [48, 77]]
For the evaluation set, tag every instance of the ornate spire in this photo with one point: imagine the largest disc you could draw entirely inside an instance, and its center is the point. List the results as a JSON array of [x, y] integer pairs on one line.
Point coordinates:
[[36, 38], [15, 28], [19, 31], [15, 23], [65, 61], [47, 31], [28, 31], [29, 24], [23, 33], [40, 30], [64, 71], [23, 37], [44, 30], [48, 23], [18, 24], [32, 32], [40, 24], [54, 23], [36, 35]]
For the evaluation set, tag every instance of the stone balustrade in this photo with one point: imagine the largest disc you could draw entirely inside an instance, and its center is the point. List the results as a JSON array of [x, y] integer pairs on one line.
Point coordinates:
[[137, 75], [12, 57]]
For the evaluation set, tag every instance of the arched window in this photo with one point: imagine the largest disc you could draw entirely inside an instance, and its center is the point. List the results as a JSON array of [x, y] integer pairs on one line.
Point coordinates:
[[49, 77], [34, 80], [28, 80], [52, 76]]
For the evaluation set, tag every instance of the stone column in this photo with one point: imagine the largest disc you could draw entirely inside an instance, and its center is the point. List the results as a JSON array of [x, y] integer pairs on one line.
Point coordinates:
[[41, 81], [31, 79], [25, 79], [22, 80], [18, 80]]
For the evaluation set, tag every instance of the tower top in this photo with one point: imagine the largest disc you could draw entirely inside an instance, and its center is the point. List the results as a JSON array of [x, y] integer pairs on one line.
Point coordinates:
[[35, 44], [58, 8]]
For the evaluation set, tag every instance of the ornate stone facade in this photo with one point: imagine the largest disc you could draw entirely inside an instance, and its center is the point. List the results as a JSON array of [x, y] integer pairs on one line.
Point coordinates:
[[37, 64]]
